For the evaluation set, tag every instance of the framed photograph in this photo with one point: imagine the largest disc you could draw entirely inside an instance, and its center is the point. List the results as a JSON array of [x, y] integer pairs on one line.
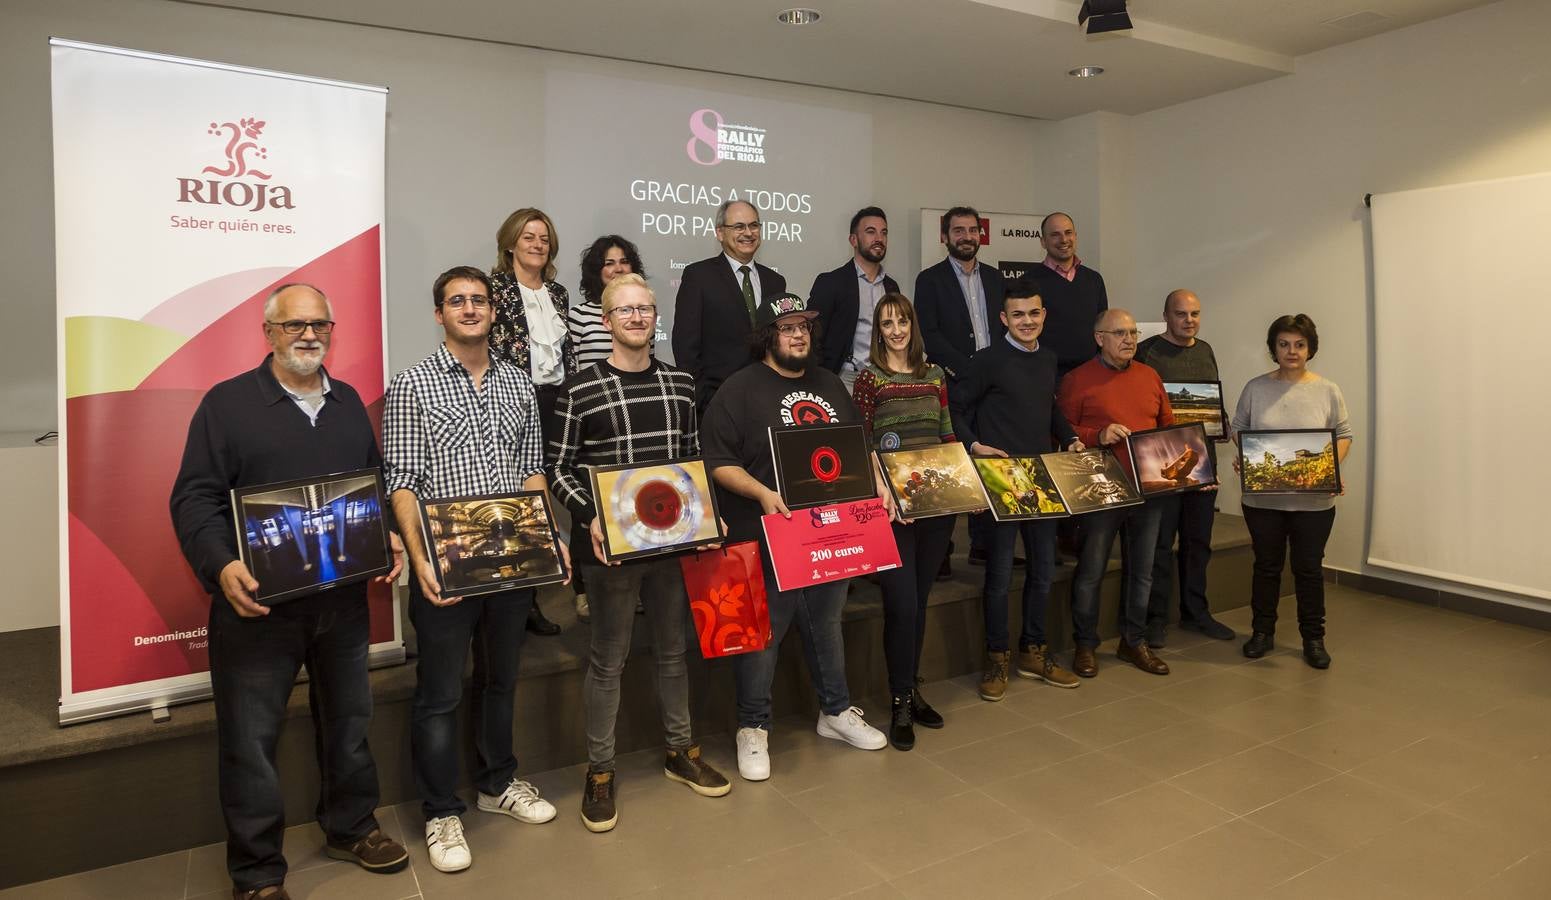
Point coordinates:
[[1090, 480], [1019, 488], [491, 543], [817, 465], [1170, 460], [1289, 461], [305, 536], [655, 508], [1199, 401], [933, 481]]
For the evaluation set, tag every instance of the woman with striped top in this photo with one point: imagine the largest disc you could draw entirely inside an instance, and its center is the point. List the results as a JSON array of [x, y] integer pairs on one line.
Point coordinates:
[[608, 257], [903, 400]]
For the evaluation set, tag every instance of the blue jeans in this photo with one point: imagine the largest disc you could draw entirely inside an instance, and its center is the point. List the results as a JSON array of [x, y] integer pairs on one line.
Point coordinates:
[[1039, 537], [612, 592], [1190, 516], [1140, 527], [816, 611], [495, 624], [253, 666]]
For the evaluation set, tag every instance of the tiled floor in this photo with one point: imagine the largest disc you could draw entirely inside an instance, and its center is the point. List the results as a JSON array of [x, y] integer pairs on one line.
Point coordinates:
[[1418, 766]]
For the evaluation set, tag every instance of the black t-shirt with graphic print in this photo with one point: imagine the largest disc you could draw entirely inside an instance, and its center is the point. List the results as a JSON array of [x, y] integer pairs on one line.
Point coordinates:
[[736, 430]]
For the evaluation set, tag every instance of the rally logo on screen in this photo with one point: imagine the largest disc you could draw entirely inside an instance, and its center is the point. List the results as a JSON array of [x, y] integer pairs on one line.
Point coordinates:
[[236, 179], [714, 140]]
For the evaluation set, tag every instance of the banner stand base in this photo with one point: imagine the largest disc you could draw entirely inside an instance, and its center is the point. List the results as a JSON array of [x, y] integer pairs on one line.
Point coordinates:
[[160, 714]]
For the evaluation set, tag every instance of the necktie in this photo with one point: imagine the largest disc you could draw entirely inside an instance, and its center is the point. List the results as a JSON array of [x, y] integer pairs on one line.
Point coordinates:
[[748, 291]]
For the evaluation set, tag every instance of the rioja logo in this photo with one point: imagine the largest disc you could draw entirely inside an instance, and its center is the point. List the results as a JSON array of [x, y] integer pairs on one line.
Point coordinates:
[[242, 150]]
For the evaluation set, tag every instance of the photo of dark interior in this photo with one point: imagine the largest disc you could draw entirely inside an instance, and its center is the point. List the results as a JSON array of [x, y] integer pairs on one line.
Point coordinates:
[[302, 538], [484, 544]]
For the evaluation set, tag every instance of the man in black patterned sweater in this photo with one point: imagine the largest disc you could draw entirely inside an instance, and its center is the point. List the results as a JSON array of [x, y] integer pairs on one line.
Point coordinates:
[[628, 408]]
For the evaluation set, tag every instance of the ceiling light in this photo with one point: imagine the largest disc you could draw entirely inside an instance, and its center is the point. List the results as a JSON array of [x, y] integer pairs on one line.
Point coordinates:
[[1086, 72], [1104, 15], [798, 15]]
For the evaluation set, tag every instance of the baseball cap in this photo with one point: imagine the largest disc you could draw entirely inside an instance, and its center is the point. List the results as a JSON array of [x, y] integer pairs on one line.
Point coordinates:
[[782, 306]]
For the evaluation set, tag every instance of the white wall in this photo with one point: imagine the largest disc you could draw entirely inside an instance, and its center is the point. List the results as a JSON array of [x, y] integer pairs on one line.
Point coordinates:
[[465, 147], [1253, 198]]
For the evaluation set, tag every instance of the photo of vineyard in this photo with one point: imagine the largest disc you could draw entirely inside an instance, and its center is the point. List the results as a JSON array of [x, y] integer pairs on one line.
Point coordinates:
[[1289, 462]]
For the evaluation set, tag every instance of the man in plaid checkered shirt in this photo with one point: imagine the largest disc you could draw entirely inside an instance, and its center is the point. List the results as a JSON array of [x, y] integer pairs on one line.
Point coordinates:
[[463, 423]]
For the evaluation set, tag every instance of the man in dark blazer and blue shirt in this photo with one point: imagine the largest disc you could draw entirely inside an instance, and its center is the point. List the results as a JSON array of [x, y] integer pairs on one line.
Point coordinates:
[[713, 313], [959, 307], [845, 297]]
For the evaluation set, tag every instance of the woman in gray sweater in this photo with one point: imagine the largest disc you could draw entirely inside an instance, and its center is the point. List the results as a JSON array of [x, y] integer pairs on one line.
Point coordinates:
[[1291, 397]]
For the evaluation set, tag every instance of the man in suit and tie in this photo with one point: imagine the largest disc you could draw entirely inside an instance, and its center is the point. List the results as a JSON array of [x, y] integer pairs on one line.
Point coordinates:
[[845, 297], [959, 304], [713, 313]]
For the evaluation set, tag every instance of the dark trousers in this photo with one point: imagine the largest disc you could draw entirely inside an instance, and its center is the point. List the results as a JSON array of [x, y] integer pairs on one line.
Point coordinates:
[[253, 666], [1188, 516], [494, 624], [905, 589], [980, 525], [1139, 526], [1271, 533], [1039, 539]]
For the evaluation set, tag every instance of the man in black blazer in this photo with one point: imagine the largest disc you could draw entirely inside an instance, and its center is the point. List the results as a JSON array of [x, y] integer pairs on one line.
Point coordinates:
[[959, 300], [713, 313], [845, 297], [959, 308]]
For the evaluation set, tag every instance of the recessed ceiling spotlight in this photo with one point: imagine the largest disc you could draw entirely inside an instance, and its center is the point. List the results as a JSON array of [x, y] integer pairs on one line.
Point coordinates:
[[1086, 72], [798, 15]]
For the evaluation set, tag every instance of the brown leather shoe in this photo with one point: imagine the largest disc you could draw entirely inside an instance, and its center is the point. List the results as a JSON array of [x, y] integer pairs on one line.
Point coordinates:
[[269, 892], [1038, 663], [1142, 657], [1084, 663], [993, 680], [375, 853]]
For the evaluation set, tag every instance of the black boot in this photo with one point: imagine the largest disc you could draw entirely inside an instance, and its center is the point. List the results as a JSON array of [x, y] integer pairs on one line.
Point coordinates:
[[1258, 645], [902, 734], [922, 712], [538, 624], [1314, 653]]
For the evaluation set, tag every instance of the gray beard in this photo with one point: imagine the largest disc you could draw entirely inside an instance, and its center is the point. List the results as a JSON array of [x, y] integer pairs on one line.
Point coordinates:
[[296, 365]]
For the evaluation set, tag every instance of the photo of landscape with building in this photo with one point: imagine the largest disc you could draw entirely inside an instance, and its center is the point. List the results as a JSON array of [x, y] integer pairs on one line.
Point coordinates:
[[1289, 462], [1198, 401]]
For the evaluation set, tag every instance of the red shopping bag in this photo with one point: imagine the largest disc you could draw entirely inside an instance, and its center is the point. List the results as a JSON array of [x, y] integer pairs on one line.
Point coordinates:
[[726, 588]]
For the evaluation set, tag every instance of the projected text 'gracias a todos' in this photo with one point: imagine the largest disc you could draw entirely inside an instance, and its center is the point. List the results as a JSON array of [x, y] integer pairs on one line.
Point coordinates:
[[682, 208]]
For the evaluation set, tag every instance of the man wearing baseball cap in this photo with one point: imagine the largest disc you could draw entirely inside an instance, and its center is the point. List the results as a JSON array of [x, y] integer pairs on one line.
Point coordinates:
[[785, 388]]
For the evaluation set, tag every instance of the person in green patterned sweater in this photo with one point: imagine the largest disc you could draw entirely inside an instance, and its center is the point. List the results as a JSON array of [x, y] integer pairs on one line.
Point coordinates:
[[903, 400]]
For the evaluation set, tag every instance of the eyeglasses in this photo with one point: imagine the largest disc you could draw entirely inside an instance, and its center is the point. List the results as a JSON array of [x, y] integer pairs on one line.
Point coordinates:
[[297, 326], [740, 227], [479, 301], [1123, 333], [791, 328], [634, 312]]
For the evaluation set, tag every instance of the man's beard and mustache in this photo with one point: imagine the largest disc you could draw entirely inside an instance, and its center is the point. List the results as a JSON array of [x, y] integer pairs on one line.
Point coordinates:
[[873, 254], [792, 362], [297, 365], [964, 251]]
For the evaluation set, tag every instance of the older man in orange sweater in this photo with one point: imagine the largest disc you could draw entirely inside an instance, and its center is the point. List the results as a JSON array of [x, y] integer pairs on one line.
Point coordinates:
[[1105, 399]]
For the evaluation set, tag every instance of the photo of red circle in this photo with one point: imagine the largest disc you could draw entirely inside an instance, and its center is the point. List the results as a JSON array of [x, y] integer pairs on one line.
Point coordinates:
[[658, 505], [825, 463]]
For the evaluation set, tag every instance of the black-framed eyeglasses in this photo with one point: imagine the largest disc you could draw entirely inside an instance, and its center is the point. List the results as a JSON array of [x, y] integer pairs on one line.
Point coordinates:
[[479, 301], [297, 326], [646, 311]]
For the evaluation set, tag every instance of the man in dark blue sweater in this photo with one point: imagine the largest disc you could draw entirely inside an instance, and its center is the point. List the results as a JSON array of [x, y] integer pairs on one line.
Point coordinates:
[[1005, 405], [282, 421], [1073, 294]]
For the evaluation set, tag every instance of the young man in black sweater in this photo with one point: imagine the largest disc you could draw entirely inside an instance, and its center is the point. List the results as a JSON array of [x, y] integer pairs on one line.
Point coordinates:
[[284, 420], [1006, 406], [629, 408]]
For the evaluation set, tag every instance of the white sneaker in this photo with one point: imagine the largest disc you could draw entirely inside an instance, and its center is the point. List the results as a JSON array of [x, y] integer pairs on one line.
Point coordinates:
[[851, 728], [521, 801], [583, 613], [444, 841], [754, 754]]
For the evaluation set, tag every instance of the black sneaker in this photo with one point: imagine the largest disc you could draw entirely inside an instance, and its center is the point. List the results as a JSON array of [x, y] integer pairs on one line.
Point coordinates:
[[1315, 655], [1258, 645], [686, 767], [540, 625], [921, 712], [598, 812], [901, 733]]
